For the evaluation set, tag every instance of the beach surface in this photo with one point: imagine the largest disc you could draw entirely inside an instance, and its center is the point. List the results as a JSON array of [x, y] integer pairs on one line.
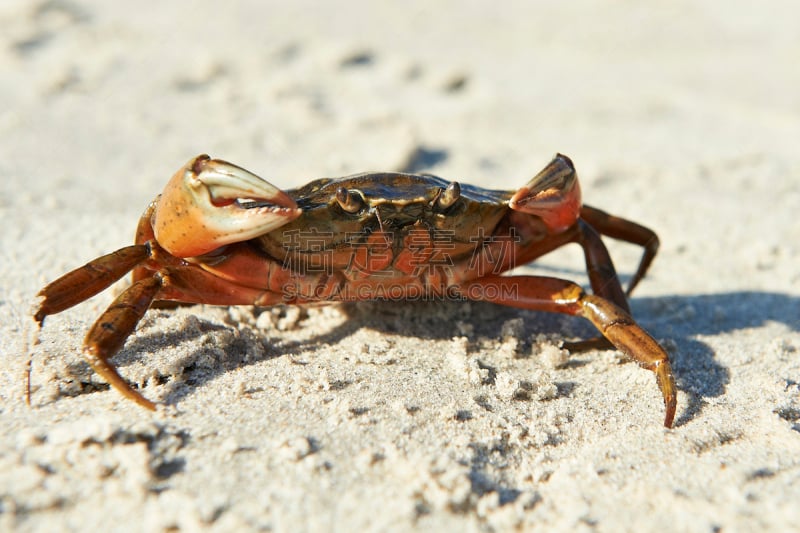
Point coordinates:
[[386, 416]]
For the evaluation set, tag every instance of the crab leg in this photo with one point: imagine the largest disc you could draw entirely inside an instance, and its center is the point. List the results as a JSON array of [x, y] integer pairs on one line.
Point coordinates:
[[600, 267], [109, 332], [627, 231], [560, 296], [92, 278], [207, 205], [603, 279]]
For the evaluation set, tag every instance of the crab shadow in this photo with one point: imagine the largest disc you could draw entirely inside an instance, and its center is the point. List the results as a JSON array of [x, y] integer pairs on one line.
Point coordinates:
[[682, 320], [685, 320]]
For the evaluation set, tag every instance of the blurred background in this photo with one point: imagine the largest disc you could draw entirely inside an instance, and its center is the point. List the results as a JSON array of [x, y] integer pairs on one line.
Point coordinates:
[[302, 89], [677, 105]]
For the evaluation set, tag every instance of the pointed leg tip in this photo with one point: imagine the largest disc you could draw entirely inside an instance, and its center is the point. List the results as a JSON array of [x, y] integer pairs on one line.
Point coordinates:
[[147, 404], [671, 405], [138, 399]]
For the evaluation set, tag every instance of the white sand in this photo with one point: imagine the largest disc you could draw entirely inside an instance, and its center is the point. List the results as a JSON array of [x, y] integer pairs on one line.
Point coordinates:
[[685, 118]]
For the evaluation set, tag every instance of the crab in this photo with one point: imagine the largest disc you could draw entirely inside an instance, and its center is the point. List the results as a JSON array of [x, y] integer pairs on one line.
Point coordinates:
[[220, 235]]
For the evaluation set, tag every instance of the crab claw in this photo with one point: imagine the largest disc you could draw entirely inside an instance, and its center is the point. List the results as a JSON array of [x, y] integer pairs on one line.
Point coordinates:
[[554, 195], [210, 203]]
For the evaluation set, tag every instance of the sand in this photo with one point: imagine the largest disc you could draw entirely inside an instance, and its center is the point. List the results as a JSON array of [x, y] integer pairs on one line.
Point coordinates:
[[390, 417]]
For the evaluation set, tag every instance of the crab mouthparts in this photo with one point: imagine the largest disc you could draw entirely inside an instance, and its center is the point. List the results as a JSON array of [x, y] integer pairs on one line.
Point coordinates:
[[210, 203]]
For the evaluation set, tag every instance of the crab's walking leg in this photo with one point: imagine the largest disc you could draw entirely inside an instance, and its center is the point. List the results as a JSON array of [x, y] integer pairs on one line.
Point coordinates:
[[561, 296], [627, 231], [92, 278], [109, 332], [82, 283], [602, 277], [600, 267]]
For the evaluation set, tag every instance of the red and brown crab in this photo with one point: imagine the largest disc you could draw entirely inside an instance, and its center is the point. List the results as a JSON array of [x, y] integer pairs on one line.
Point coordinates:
[[221, 235]]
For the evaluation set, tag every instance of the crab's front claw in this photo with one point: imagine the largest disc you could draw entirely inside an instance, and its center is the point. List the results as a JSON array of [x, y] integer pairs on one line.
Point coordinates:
[[210, 203], [554, 195]]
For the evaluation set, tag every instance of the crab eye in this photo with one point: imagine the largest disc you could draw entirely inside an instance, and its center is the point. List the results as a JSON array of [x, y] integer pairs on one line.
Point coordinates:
[[348, 200], [448, 196]]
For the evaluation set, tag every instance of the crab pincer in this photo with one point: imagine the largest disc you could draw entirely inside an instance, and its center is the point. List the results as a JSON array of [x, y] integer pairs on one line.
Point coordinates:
[[205, 206]]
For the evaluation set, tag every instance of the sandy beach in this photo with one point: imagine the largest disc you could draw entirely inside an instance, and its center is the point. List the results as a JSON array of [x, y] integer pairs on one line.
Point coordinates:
[[437, 416]]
